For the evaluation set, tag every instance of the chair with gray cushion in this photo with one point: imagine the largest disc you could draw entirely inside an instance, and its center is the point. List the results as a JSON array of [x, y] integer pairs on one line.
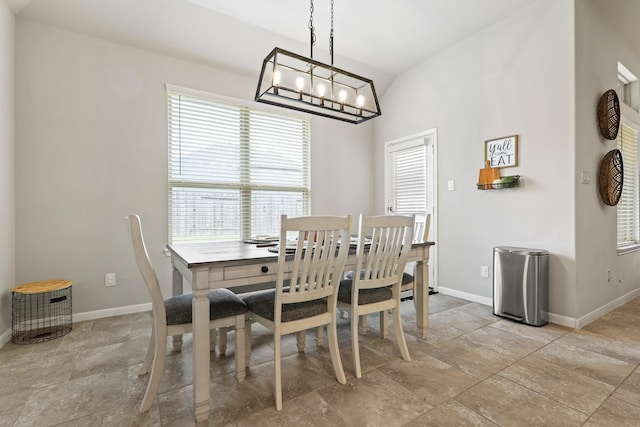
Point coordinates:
[[173, 317], [376, 288], [306, 287]]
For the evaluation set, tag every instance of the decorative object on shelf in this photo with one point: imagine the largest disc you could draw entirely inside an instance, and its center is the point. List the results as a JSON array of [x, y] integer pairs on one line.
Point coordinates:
[[502, 152], [488, 175], [504, 182], [299, 83], [609, 114], [610, 177]]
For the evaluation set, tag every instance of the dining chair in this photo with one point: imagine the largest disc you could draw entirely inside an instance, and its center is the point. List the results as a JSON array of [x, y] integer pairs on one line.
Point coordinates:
[[383, 247], [306, 289], [421, 226], [173, 316], [420, 234]]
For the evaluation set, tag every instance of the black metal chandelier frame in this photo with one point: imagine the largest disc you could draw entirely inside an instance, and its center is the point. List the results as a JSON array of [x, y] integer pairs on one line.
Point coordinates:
[[297, 82]]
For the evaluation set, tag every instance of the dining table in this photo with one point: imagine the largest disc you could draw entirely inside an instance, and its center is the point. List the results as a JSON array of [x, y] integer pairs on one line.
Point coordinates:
[[242, 267]]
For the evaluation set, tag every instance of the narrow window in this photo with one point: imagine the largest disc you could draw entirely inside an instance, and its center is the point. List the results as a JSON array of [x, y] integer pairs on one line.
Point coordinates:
[[628, 211]]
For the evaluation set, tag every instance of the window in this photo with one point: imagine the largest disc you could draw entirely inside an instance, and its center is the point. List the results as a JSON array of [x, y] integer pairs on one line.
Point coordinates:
[[628, 87], [410, 184], [409, 176], [628, 210], [233, 170]]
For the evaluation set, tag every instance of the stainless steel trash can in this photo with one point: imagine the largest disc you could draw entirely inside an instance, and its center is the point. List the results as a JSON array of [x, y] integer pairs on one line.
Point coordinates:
[[521, 284]]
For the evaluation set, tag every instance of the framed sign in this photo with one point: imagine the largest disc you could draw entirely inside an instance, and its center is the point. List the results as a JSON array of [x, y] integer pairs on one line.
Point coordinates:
[[502, 152]]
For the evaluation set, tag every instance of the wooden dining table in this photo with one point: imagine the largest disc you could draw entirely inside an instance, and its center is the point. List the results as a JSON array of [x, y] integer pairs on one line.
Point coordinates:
[[236, 265]]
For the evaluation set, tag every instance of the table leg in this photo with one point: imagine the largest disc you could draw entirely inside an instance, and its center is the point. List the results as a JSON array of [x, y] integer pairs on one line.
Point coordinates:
[[421, 298], [201, 366], [319, 336], [177, 290]]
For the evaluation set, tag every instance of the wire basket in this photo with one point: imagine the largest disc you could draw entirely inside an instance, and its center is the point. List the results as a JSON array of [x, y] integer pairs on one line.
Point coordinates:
[[515, 182], [41, 315]]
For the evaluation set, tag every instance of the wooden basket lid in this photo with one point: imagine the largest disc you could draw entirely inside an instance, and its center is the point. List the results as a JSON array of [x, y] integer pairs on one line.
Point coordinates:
[[42, 286]]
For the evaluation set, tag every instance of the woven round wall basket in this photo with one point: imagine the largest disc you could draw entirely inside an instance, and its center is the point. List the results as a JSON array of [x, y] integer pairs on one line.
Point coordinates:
[[609, 114], [610, 177]]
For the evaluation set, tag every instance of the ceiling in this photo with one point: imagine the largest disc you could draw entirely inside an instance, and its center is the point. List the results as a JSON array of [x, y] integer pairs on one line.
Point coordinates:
[[377, 39]]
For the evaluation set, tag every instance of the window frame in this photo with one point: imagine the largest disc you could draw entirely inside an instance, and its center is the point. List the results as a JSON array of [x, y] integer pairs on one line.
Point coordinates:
[[623, 248], [243, 186]]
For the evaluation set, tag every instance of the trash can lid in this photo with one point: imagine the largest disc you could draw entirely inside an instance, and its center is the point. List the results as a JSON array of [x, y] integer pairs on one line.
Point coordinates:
[[520, 251]]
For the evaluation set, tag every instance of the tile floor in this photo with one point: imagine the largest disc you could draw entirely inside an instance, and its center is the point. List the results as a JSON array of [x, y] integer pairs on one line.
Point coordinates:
[[473, 369]]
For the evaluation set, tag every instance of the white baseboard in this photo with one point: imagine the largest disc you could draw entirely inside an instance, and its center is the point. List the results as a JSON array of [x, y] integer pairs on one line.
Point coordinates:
[[466, 296], [557, 319], [92, 315], [553, 318], [110, 312], [5, 338], [599, 312]]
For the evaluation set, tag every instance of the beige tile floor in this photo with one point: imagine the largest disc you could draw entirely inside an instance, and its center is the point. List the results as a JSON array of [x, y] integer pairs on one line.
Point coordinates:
[[473, 369]]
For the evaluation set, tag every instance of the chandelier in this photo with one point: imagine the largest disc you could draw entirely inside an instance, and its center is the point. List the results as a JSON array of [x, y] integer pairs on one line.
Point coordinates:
[[293, 81]]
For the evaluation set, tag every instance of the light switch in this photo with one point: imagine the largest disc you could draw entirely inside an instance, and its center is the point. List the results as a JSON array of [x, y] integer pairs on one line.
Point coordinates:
[[586, 177], [451, 185]]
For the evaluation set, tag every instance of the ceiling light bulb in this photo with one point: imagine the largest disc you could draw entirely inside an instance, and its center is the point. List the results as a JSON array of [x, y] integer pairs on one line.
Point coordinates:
[[300, 84], [342, 95], [321, 90], [359, 101], [276, 78]]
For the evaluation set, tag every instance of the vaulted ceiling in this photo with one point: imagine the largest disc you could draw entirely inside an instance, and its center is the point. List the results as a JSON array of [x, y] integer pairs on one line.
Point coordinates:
[[375, 38]]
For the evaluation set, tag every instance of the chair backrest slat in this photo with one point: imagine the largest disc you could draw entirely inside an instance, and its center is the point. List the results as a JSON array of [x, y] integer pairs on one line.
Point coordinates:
[[421, 225], [318, 262], [381, 262]]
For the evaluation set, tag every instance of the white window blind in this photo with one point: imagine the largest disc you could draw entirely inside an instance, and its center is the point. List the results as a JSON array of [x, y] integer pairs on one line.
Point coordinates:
[[407, 178], [233, 170], [628, 211]]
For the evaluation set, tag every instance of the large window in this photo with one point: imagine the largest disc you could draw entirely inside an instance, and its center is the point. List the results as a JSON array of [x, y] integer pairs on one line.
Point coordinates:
[[628, 209], [233, 170]]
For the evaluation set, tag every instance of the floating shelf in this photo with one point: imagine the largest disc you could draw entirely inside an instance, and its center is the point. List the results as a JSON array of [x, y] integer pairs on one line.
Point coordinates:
[[502, 185]]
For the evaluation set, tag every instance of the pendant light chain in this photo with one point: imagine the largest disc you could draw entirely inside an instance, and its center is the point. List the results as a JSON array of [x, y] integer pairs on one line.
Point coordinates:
[[331, 35], [311, 28]]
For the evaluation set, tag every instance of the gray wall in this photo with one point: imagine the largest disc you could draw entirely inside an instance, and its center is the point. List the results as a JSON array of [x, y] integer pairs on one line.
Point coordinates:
[[92, 148], [515, 77], [7, 168], [539, 74], [599, 47]]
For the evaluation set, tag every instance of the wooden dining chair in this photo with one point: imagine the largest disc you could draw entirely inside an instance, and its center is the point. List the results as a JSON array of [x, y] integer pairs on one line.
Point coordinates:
[[420, 234], [173, 316], [421, 226], [306, 288], [383, 247]]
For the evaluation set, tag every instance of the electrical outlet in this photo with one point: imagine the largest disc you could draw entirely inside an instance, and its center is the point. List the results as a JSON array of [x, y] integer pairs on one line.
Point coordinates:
[[484, 271], [110, 279], [608, 275]]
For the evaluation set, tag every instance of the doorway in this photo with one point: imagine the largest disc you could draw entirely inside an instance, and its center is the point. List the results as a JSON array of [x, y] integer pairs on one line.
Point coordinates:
[[411, 183]]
